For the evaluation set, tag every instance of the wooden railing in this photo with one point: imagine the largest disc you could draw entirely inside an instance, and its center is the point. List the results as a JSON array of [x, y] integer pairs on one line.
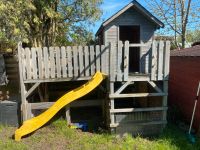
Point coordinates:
[[81, 62], [56, 63], [156, 63]]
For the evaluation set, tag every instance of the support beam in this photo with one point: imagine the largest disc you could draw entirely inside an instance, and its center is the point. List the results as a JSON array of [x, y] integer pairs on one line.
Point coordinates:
[[139, 123], [79, 103], [164, 103], [112, 106], [22, 85], [129, 110], [123, 87], [68, 116], [32, 89], [155, 86], [136, 95]]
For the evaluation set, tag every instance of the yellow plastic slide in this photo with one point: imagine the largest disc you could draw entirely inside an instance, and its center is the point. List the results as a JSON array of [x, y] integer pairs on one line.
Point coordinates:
[[35, 123]]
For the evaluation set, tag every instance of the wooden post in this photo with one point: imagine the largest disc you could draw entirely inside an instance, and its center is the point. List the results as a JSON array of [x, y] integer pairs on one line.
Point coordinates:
[[164, 103], [68, 117], [112, 107], [24, 102], [126, 61]]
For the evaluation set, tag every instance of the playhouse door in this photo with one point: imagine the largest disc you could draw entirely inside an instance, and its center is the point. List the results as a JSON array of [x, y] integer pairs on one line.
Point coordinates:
[[131, 34]]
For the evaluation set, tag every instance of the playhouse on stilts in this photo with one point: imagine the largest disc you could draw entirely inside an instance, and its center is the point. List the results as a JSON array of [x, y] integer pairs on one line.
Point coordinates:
[[132, 98]]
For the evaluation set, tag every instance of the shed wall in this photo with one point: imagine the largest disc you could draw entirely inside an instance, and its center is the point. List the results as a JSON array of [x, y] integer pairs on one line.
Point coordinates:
[[147, 29], [183, 83]]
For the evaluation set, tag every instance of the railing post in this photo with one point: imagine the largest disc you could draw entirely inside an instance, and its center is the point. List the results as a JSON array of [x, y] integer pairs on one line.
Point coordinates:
[[24, 103], [126, 60]]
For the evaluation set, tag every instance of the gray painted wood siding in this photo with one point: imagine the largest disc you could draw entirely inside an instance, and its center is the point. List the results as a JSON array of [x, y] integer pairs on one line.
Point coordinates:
[[147, 29]]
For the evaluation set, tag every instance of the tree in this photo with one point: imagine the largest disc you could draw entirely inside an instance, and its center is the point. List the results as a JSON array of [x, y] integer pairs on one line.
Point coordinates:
[[178, 16], [48, 22]]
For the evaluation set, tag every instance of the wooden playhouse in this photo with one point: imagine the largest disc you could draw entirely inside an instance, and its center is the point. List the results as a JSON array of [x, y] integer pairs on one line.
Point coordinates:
[[134, 98]]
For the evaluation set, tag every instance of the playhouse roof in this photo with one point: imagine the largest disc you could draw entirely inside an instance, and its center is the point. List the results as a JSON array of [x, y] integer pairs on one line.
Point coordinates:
[[134, 3]]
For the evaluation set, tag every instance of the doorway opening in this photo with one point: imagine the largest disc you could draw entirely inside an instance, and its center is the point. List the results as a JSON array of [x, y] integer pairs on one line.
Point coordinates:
[[131, 34]]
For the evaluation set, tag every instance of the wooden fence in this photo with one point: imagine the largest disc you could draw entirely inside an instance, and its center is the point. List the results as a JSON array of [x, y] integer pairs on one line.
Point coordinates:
[[75, 62], [79, 63]]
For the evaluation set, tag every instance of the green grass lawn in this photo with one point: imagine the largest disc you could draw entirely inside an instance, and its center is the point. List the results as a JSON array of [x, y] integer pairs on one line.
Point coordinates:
[[59, 136]]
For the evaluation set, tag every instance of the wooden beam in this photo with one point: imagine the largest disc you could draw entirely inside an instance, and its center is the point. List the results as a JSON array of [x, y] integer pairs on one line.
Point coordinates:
[[137, 45], [155, 86], [58, 79], [123, 87], [138, 109], [78, 103], [68, 116], [136, 95], [112, 103], [22, 86], [138, 123], [126, 60], [31, 89]]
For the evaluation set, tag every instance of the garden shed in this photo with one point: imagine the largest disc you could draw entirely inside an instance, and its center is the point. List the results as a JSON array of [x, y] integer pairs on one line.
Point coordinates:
[[183, 82]]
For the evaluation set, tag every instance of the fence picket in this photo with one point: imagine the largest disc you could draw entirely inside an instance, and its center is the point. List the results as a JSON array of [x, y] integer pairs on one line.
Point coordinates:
[[52, 62], [34, 63], [97, 58], [81, 62], [160, 60], [75, 60], [86, 57], [64, 62], [58, 62], [92, 61]]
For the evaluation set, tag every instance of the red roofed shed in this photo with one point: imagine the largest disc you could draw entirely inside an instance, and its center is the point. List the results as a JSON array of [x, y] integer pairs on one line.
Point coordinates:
[[183, 82]]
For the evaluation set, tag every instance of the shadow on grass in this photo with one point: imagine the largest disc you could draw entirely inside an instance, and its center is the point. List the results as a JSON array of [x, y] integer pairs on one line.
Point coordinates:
[[178, 138]]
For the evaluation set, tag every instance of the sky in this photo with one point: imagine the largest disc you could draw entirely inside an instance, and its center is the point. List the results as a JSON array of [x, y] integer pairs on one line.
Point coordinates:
[[110, 7]]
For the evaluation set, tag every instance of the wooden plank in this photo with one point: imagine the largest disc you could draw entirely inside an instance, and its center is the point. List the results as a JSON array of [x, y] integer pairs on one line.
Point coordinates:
[[119, 61], [31, 89], [103, 59], [107, 59], [69, 61], [139, 123], [123, 87], [79, 103], [164, 102], [22, 86], [81, 61], [137, 45], [28, 63], [75, 60], [40, 63], [63, 62], [52, 62], [113, 63], [86, 57], [166, 60], [155, 86], [160, 60], [112, 104], [98, 58], [58, 79], [128, 110], [68, 116], [23, 64], [136, 95], [58, 63], [34, 63], [46, 62], [126, 60], [154, 61], [92, 60]]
